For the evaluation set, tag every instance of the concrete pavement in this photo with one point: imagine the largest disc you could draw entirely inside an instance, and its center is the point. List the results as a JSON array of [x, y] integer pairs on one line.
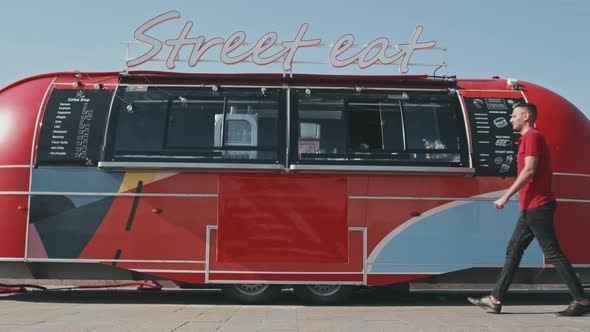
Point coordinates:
[[208, 310]]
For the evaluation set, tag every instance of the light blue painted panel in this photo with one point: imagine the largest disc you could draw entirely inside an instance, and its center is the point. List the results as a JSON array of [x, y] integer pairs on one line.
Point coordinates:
[[70, 179], [472, 234]]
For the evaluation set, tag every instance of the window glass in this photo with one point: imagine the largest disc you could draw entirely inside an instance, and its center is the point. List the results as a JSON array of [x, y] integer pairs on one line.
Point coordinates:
[[379, 127], [141, 125], [193, 124], [432, 126], [321, 127], [374, 126], [244, 115], [248, 123], [239, 132]]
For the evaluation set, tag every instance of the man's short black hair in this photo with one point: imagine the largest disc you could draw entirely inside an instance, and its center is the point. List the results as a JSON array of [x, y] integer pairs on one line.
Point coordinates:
[[530, 108]]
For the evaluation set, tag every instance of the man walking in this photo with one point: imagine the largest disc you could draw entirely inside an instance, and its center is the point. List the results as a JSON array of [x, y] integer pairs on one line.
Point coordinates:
[[537, 205]]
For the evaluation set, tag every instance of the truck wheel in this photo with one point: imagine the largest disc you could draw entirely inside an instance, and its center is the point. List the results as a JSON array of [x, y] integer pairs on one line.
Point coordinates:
[[251, 293], [323, 294]]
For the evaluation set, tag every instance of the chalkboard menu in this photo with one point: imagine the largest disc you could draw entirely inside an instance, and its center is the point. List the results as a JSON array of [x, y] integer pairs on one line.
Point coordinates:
[[494, 140], [73, 127]]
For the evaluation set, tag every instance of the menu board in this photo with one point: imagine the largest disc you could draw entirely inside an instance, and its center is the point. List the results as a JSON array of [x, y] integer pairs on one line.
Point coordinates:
[[73, 127], [494, 140]]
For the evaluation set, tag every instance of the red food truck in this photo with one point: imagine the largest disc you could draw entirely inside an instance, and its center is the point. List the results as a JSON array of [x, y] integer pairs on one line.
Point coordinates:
[[257, 182]]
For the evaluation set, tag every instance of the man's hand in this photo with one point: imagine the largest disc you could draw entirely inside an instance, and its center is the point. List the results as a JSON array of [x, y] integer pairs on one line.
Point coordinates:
[[500, 202]]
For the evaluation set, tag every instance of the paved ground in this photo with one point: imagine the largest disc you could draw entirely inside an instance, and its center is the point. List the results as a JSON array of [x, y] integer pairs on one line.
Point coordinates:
[[208, 310]]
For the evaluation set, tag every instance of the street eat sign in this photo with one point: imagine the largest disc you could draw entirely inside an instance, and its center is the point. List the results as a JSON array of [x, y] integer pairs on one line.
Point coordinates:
[[260, 52]]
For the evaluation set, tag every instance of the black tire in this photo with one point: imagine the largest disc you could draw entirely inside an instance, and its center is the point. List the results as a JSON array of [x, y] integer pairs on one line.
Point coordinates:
[[323, 294], [251, 293]]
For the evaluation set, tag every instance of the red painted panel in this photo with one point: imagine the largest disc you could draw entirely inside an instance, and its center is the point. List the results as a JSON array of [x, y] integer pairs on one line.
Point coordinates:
[[111, 233], [572, 226], [572, 187], [491, 94], [14, 179], [180, 228], [13, 224], [163, 228], [182, 183], [283, 218], [483, 84], [354, 263], [159, 266], [66, 80], [19, 106], [286, 277]]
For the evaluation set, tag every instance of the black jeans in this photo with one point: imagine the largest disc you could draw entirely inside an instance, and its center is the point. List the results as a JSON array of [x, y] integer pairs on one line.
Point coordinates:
[[537, 223]]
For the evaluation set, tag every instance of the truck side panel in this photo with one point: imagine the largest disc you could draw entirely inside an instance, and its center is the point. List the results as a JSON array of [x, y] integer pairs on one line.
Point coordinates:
[[19, 106]]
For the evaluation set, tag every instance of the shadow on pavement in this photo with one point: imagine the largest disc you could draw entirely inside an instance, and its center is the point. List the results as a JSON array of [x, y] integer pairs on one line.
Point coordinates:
[[370, 298]]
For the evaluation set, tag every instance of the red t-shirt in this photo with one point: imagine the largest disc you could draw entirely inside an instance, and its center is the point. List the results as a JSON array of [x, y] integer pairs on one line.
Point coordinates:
[[538, 191]]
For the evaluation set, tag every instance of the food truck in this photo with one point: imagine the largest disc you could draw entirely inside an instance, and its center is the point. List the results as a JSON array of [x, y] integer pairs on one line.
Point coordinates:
[[260, 182]]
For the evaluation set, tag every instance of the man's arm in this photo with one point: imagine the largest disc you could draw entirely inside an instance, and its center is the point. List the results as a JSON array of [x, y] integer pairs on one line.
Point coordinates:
[[530, 167]]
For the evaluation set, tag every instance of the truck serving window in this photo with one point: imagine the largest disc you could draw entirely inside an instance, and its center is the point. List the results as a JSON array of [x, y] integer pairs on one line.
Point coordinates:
[[379, 128], [159, 124]]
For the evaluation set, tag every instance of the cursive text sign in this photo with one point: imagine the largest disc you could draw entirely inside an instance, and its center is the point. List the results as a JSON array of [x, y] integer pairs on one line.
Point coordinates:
[[264, 50]]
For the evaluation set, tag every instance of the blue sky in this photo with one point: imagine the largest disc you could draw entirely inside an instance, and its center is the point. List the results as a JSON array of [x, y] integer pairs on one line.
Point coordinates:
[[544, 42]]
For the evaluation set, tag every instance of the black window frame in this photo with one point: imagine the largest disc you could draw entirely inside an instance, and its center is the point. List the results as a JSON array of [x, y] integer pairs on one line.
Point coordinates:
[[198, 154], [373, 158]]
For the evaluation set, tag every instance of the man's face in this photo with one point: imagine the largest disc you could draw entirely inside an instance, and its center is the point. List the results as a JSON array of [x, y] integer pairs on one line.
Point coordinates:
[[519, 118]]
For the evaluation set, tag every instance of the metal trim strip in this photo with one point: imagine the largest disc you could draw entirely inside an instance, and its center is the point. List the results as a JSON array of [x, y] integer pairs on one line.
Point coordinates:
[[167, 271], [14, 166], [571, 174], [31, 161], [165, 165], [462, 199], [49, 193], [108, 122], [208, 250], [280, 272], [280, 86], [70, 84], [418, 169], [282, 282], [480, 90], [467, 132], [98, 260], [428, 198]]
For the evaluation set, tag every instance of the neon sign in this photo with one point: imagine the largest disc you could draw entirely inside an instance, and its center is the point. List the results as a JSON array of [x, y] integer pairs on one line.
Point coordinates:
[[260, 52]]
